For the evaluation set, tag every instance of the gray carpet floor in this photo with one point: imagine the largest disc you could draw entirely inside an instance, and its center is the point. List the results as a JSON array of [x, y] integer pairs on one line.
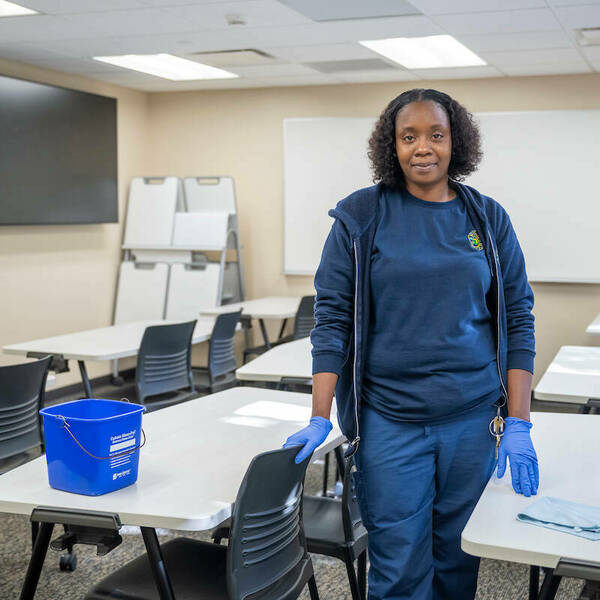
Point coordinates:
[[497, 580]]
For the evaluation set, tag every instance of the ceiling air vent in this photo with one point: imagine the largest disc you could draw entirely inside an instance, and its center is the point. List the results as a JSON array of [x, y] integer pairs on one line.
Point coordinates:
[[233, 58], [588, 36]]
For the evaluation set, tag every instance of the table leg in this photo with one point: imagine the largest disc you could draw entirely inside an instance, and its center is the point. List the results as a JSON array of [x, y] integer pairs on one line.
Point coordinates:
[[534, 582], [157, 564], [36, 562], [549, 586], [283, 324], [86, 381], [265, 335]]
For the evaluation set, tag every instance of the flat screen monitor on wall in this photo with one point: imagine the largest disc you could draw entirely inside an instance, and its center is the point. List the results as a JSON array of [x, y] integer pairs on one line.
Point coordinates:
[[58, 155]]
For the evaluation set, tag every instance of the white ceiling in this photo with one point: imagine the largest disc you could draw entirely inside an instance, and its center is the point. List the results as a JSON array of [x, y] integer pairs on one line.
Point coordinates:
[[515, 37]]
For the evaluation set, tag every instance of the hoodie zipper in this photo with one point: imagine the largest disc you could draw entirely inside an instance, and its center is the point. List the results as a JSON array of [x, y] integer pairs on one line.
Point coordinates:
[[356, 440], [504, 392]]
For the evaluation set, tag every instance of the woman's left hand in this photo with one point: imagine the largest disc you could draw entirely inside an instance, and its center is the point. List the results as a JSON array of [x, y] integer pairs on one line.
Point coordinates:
[[516, 445]]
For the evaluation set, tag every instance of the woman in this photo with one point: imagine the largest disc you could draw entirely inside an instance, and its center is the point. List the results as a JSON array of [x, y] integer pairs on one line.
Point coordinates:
[[425, 333]]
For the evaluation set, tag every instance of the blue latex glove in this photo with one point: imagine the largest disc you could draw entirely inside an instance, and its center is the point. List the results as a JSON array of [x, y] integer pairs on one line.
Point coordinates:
[[517, 447], [311, 437]]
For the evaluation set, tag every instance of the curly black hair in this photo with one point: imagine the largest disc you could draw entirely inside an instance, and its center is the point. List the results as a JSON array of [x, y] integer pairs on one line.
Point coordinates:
[[466, 141]]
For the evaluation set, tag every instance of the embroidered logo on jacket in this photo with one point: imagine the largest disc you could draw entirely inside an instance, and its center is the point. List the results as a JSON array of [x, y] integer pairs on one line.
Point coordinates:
[[474, 240]]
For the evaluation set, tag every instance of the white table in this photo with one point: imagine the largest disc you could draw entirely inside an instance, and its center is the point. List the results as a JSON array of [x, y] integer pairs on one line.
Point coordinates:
[[567, 446], [105, 343], [289, 361], [270, 307], [191, 467], [594, 327], [573, 377]]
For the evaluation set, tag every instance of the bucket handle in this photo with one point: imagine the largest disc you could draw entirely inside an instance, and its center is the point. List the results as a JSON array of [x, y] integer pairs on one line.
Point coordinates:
[[67, 427]]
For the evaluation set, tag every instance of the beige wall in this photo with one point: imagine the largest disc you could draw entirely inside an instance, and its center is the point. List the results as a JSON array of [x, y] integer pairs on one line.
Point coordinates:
[[57, 279], [61, 278], [239, 133]]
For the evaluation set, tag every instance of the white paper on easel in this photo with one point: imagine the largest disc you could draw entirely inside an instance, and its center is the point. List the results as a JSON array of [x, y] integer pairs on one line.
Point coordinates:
[[191, 290], [151, 211], [200, 230], [209, 194], [141, 292]]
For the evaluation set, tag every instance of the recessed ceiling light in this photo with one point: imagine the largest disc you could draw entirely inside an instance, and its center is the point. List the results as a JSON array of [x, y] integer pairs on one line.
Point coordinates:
[[166, 66], [429, 52], [10, 9]]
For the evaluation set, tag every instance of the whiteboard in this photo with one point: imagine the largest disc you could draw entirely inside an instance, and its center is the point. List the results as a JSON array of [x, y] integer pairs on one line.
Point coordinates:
[[324, 161], [542, 166]]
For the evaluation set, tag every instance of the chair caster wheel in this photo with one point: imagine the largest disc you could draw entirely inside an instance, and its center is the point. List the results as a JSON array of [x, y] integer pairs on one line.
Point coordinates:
[[117, 380], [67, 562]]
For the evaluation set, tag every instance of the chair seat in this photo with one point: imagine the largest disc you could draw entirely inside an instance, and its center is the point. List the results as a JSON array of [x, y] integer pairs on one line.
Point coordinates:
[[202, 380], [323, 528], [196, 570]]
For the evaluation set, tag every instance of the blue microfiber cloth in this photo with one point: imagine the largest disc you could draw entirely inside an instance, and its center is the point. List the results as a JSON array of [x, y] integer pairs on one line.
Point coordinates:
[[565, 516]]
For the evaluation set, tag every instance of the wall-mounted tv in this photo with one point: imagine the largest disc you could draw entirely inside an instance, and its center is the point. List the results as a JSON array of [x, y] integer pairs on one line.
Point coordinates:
[[58, 155]]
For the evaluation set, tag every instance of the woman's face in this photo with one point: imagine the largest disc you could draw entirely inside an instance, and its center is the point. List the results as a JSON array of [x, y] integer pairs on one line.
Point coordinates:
[[423, 142]]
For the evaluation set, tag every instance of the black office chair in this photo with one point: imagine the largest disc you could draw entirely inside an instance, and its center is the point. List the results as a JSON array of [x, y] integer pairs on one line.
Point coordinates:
[[266, 558], [21, 398], [303, 324], [221, 354], [164, 363], [333, 527], [22, 389]]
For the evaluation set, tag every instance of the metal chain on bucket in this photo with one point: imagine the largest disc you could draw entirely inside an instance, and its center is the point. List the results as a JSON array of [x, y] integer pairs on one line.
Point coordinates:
[[67, 427]]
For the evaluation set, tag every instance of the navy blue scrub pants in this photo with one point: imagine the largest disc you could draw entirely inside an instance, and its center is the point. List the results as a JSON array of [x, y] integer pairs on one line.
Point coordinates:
[[417, 486]]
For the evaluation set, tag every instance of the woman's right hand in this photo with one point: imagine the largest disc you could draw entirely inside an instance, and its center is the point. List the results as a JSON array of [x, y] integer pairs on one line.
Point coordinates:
[[310, 438]]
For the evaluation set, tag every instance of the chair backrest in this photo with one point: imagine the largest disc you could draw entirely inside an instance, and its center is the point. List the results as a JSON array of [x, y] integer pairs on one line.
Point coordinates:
[[267, 539], [305, 317], [351, 519], [21, 398], [221, 351], [164, 360]]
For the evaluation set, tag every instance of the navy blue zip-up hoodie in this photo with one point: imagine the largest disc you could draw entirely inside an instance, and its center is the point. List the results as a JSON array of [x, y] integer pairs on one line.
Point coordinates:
[[342, 309]]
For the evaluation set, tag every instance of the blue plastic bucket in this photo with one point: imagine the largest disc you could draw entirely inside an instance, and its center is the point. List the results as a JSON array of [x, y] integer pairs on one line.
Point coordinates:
[[92, 446]]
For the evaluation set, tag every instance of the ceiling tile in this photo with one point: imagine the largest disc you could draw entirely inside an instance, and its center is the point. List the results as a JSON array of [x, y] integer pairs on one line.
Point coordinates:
[[458, 73], [532, 40], [443, 7], [33, 28], [279, 70], [547, 69], [160, 3], [338, 10], [81, 66], [376, 76], [125, 23], [58, 7], [510, 21], [27, 52], [256, 13], [83, 48], [592, 53], [318, 79], [571, 2], [337, 66], [574, 17], [322, 52], [338, 32], [532, 57]]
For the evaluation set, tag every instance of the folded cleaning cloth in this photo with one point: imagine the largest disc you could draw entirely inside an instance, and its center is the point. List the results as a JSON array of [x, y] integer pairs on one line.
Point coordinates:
[[565, 516]]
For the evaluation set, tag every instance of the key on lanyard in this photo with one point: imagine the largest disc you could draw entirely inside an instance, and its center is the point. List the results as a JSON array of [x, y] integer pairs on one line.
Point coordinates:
[[497, 430]]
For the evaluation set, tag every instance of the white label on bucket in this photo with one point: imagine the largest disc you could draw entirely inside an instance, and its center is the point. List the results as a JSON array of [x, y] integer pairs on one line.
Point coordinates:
[[121, 445]]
